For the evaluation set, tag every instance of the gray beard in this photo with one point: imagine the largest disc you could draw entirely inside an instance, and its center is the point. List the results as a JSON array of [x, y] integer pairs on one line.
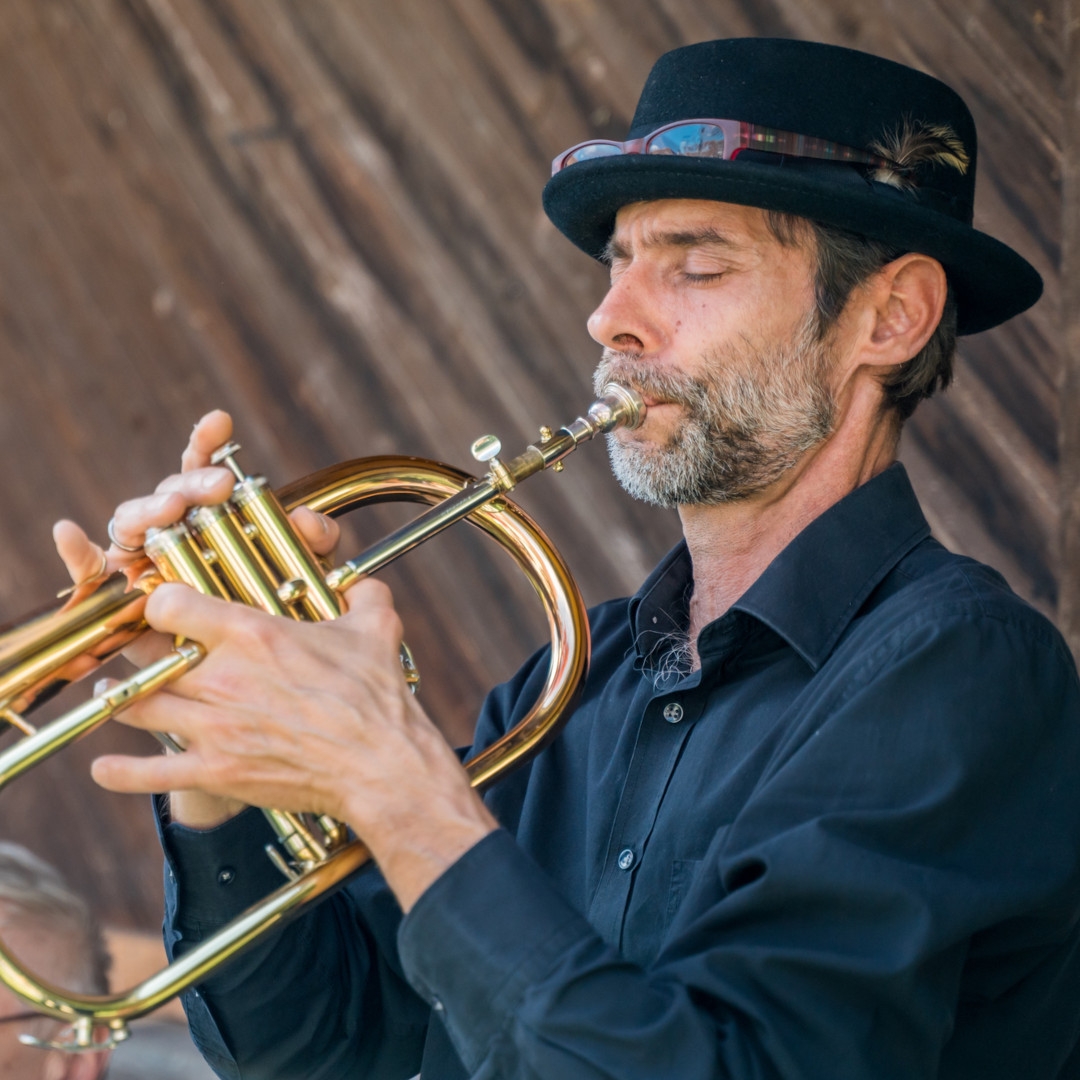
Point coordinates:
[[747, 420]]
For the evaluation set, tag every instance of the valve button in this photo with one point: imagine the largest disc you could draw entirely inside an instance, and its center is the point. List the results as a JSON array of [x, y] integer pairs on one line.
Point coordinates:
[[486, 447]]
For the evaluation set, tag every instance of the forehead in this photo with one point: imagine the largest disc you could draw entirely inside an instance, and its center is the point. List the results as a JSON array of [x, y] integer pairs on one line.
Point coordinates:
[[681, 223]]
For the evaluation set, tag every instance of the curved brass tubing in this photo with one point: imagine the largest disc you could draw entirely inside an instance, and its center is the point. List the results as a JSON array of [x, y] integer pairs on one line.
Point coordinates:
[[49, 650]]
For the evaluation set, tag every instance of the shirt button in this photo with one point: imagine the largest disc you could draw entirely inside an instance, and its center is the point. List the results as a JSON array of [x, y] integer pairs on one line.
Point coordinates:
[[673, 712], [626, 859], [437, 1005], [226, 875]]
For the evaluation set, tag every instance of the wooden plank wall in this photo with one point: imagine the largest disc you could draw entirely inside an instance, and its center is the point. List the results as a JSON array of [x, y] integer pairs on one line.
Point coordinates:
[[323, 215], [1069, 409]]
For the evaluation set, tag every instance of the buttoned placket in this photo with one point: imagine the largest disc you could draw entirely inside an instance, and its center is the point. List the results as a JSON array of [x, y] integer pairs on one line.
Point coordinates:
[[666, 723], [668, 718]]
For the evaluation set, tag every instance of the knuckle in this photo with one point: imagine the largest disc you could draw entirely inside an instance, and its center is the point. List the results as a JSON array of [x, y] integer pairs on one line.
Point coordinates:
[[168, 485], [251, 630], [372, 611], [163, 605], [214, 772], [128, 510], [385, 623], [373, 593]]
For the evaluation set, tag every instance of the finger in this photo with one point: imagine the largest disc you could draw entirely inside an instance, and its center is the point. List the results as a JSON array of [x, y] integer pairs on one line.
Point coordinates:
[[148, 649], [199, 487], [132, 518], [82, 558], [210, 431], [148, 775], [166, 709], [369, 594], [179, 610], [321, 532], [157, 721], [370, 612], [167, 505]]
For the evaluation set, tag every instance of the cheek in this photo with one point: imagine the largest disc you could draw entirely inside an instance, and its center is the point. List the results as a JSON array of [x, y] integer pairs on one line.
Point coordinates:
[[698, 341]]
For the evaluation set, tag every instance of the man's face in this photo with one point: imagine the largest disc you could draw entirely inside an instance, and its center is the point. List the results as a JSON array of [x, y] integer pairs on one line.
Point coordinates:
[[710, 318]]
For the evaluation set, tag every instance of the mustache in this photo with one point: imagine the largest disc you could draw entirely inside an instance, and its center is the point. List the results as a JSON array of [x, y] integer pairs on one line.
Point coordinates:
[[627, 370]]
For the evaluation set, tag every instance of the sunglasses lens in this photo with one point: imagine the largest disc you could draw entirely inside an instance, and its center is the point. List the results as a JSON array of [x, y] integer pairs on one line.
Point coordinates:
[[590, 151], [689, 140]]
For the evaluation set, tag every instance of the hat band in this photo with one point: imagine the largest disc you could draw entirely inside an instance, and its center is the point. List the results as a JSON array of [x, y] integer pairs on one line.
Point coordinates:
[[719, 139]]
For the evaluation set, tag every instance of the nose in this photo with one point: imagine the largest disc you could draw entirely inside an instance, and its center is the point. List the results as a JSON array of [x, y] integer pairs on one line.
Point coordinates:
[[625, 319]]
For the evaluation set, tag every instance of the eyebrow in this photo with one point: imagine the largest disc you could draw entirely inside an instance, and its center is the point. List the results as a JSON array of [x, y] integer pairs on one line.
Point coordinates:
[[685, 238]]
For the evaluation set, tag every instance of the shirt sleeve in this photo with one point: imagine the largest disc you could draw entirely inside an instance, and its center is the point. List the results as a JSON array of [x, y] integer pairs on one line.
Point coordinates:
[[323, 998], [923, 820]]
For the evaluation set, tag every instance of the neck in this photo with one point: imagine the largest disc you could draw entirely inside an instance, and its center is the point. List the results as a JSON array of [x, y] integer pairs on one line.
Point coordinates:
[[731, 544]]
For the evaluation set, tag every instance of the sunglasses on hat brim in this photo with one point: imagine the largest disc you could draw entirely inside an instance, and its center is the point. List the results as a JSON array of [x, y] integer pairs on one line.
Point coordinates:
[[722, 140]]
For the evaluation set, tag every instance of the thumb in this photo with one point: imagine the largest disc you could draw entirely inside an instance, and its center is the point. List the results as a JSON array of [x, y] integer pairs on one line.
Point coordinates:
[[82, 558]]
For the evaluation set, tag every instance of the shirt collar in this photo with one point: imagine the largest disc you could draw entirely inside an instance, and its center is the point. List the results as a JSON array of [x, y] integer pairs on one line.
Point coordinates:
[[812, 590], [661, 606]]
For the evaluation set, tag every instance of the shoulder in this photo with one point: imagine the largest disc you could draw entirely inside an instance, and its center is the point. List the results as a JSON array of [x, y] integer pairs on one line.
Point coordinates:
[[944, 602], [945, 694], [945, 655]]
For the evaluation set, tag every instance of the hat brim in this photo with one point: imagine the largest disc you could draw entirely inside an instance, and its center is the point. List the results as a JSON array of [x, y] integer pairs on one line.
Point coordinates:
[[991, 282]]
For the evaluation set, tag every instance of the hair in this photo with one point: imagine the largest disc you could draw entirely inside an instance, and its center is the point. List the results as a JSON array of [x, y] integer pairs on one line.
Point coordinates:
[[33, 893], [843, 262]]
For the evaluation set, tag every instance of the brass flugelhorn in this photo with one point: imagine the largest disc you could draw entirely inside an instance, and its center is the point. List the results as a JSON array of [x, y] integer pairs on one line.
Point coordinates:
[[247, 550]]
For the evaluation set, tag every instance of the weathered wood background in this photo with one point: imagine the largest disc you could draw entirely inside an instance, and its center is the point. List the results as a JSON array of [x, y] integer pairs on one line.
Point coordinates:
[[323, 216]]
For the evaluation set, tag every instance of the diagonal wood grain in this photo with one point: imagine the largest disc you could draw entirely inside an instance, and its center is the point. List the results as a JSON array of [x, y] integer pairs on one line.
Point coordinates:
[[325, 217]]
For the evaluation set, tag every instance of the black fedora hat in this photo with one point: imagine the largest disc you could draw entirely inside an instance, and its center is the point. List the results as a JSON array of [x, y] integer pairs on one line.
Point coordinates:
[[822, 92]]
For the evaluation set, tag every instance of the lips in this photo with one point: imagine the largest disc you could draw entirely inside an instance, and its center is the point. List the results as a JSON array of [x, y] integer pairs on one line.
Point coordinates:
[[656, 388], [650, 401]]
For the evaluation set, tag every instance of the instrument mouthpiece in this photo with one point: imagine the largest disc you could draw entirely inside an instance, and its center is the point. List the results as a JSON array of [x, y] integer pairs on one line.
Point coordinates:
[[618, 407]]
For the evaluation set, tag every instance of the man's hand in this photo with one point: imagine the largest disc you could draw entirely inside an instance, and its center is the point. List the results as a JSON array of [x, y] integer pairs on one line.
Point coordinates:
[[308, 717], [197, 484], [297, 716]]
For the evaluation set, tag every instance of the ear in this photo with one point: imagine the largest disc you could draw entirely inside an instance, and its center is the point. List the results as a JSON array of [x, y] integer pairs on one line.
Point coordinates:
[[905, 300]]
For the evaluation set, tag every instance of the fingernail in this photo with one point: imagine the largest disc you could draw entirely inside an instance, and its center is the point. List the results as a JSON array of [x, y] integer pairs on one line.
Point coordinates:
[[100, 687]]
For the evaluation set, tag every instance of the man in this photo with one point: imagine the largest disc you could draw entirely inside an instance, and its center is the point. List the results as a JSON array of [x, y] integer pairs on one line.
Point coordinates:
[[50, 930], [813, 816]]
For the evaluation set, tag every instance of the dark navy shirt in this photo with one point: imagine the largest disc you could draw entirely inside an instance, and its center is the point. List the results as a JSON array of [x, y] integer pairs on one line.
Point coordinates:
[[845, 847]]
